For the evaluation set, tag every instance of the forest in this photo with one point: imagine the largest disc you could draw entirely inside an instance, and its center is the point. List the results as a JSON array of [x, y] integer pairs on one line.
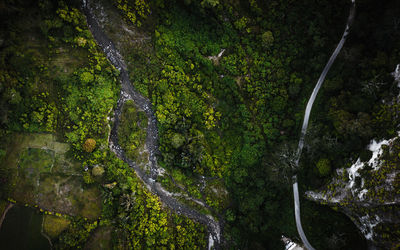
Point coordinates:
[[228, 82]]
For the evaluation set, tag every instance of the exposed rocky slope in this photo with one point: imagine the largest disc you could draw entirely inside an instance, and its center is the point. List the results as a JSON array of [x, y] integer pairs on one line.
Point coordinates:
[[369, 191]]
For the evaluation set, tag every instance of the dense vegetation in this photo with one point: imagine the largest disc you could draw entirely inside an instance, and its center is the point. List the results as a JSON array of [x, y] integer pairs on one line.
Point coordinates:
[[229, 81], [235, 116], [55, 79], [132, 132]]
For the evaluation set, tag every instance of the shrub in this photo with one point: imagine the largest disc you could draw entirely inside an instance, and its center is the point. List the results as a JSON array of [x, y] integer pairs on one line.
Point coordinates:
[[177, 140], [267, 38], [324, 167], [86, 77], [97, 171], [89, 145]]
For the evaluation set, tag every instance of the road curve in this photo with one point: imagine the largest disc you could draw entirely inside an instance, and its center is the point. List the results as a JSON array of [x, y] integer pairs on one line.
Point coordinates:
[[306, 120], [129, 93], [298, 219]]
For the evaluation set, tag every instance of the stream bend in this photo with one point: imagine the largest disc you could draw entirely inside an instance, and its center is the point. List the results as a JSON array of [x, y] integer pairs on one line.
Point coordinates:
[[129, 93]]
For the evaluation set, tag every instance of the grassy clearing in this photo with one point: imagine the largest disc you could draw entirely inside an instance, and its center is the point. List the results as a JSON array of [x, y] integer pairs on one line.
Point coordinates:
[[53, 225], [92, 203], [47, 178], [68, 195], [21, 141]]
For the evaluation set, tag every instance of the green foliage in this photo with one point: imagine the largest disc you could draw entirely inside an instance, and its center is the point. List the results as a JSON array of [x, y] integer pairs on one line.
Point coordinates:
[[49, 89], [221, 117], [54, 225], [177, 140], [267, 39], [88, 178], [324, 167], [70, 15], [387, 119], [82, 89], [76, 235], [241, 23], [209, 3], [86, 77], [89, 145], [97, 171], [141, 220], [132, 131], [134, 10]]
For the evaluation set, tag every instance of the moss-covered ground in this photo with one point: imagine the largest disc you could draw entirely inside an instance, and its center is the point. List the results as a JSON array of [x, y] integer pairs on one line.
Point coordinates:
[[54, 225], [45, 177]]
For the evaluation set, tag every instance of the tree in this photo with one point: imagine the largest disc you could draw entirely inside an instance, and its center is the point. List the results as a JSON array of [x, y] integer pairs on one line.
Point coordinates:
[[267, 38], [97, 171], [177, 140], [211, 3], [89, 145], [324, 167], [86, 77]]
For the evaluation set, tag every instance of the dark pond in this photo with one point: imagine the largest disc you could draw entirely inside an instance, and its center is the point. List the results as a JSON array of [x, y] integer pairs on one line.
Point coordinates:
[[21, 230]]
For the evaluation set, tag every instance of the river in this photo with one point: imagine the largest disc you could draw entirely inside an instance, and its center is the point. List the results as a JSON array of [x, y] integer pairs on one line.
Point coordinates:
[[129, 93]]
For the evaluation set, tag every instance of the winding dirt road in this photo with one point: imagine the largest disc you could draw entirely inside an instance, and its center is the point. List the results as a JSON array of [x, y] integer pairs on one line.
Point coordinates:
[[306, 120]]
